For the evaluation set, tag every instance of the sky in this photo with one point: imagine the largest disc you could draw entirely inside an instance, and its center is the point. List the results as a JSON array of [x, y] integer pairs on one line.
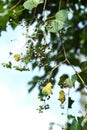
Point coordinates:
[[17, 106]]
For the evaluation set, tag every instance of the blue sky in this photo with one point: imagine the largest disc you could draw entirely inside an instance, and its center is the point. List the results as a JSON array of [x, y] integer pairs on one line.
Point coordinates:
[[17, 107]]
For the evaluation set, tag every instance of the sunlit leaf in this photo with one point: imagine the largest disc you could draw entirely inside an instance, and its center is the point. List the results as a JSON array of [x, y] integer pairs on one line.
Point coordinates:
[[68, 83], [61, 96], [17, 57], [62, 15], [60, 21], [55, 25], [47, 89], [30, 4]]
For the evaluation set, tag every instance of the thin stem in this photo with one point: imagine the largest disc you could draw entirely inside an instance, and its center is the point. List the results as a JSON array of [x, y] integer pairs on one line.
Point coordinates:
[[60, 2], [44, 4], [64, 51], [83, 83], [44, 21], [15, 5]]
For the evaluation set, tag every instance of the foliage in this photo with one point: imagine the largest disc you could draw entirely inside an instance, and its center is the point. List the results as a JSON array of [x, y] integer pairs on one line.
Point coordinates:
[[59, 37], [76, 125], [61, 21], [30, 4]]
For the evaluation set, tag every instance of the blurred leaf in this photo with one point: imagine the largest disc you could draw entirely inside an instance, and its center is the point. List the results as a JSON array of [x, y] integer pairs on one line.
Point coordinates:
[[62, 15], [62, 96], [21, 68], [76, 125], [60, 21], [83, 66], [74, 78], [4, 13], [85, 106], [71, 117], [17, 57], [83, 75], [53, 26], [68, 83], [30, 4], [70, 102], [7, 65], [62, 79]]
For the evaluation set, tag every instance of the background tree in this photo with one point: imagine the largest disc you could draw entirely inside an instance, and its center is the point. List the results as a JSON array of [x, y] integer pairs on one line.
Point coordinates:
[[56, 39]]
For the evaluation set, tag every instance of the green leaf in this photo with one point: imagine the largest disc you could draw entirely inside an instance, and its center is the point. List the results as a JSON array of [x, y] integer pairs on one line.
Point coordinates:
[[30, 4], [60, 21], [85, 106], [4, 13], [62, 15], [54, 26], [62, 79], [83, 66], [70, 117], [75, 125], [70, 102], [74, 78], [21, 68], [68, 83], [7, 65]]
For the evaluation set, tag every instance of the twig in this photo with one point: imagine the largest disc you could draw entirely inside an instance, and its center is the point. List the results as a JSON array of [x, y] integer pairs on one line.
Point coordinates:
[[83, 83], [15, 5], [60, 2], [44, 4]]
